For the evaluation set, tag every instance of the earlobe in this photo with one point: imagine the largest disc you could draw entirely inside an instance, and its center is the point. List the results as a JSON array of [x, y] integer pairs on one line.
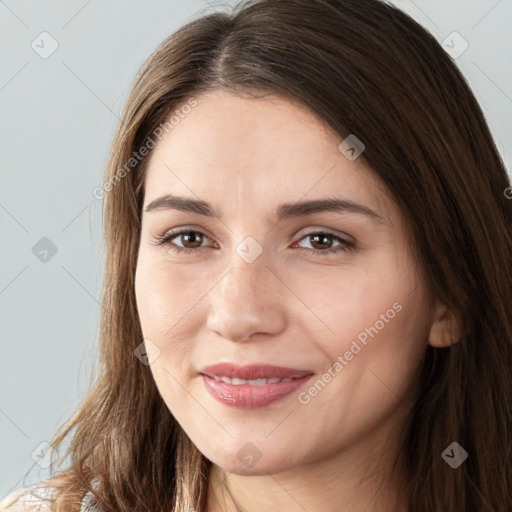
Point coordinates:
[[445, 330]]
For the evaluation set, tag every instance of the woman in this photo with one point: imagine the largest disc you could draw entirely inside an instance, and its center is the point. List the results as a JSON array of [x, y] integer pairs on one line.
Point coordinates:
[[308, 277]]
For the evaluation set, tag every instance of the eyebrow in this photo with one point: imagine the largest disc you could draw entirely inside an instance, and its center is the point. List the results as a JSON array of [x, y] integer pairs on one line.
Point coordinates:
[[284, 211]]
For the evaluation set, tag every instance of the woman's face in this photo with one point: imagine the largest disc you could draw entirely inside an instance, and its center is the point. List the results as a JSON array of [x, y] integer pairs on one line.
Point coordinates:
[[331, 292]]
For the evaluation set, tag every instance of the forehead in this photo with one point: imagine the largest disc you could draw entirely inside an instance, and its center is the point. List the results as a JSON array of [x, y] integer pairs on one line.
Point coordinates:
[[249, 149]]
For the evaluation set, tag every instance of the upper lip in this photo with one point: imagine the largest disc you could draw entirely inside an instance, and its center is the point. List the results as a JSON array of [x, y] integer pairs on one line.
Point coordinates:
[[252, 371]]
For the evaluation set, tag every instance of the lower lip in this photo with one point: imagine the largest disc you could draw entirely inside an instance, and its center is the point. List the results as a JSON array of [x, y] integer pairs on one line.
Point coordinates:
[[247, 396]]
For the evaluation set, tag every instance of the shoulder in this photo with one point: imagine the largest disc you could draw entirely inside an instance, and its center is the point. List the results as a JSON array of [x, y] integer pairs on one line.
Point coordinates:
[[36, 498]]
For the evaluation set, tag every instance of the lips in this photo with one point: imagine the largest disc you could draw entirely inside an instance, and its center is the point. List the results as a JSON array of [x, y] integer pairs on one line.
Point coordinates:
[[252, 386], [253, 371], [235, 381]]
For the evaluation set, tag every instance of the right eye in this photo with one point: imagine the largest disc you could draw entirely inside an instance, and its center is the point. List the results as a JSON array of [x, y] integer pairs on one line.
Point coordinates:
[[189, 236]]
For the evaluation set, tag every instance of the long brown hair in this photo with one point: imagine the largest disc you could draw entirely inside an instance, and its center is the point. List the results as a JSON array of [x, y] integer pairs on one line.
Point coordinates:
[[364, 67]]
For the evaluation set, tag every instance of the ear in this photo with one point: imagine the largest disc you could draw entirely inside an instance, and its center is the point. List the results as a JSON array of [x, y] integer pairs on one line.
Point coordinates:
[[445, 329]]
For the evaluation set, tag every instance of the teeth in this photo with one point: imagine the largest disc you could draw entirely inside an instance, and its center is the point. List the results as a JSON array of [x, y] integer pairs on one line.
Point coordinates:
[[253, 382]]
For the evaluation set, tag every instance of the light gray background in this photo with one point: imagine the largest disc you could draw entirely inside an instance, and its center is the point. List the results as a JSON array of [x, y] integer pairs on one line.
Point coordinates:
[[58, 116]]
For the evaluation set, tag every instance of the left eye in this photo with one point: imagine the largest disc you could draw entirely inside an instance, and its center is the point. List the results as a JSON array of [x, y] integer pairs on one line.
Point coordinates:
[[196, 239]]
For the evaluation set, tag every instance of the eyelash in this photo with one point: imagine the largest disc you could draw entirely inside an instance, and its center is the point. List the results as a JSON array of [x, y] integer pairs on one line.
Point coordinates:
[[167, 240]]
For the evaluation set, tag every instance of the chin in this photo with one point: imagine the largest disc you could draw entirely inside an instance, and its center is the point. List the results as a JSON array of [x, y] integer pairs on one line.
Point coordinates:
[[258, 469], [247, 461]]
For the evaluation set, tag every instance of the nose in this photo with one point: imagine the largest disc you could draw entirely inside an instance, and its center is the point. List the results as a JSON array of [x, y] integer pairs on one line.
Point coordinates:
[[249, 300]]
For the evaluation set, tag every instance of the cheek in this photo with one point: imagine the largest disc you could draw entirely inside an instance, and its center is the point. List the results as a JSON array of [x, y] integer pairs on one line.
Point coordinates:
[[377, 322], [349, 301], [163, 296], [162, 305], [385, 346]]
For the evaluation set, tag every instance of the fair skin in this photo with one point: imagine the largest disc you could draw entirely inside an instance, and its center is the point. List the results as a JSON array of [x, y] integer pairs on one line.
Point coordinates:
[[289, 307]]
